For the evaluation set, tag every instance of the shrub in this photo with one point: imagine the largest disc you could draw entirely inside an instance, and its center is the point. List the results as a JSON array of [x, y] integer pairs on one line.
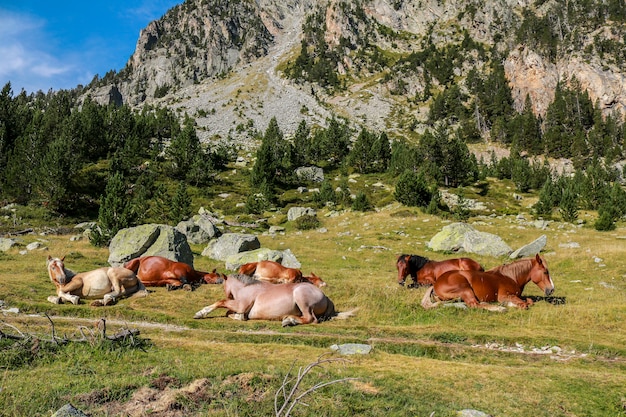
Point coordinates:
[[307, 222]]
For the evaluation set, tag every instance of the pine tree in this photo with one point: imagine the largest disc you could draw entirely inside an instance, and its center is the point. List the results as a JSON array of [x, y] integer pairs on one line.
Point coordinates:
[[361, 155], [413, 190], [181, 204], [115, 211], [183, 149]]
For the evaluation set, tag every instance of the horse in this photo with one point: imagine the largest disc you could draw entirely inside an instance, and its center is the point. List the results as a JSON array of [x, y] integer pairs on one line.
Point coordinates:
[[425, 272], [276, 273], [503, 284], [157, 271], [105, 284], [294, 303]]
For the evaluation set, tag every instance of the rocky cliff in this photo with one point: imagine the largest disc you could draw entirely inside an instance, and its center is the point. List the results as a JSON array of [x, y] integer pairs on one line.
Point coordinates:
[[224, 62]]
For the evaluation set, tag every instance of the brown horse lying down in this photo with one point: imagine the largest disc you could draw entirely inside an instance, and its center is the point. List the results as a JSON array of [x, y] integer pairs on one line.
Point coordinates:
[[276, 273], [425, 272], [157, 271], [503, 284], [104, 285], [293, 303]]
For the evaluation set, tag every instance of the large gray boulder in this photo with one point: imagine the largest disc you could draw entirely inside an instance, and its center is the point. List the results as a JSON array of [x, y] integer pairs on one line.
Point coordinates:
[[284, 257], [199, 229], [297, 212], [310, 174], [530, 249], [234, 261], [6, 244], [149, 240], [230, 244], [463, 238]]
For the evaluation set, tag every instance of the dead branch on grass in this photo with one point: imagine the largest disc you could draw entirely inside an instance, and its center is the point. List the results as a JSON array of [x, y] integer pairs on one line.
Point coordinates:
[[87, 335], [291, 397]]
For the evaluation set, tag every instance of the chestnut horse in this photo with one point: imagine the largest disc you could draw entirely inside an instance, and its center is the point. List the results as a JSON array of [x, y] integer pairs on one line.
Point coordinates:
[[276, 273], [157, 271], [503, 284], [294, 303], [425, 272], [105, 284]]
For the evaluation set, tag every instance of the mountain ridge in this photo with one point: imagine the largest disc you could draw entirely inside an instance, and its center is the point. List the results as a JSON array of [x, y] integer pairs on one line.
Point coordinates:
[[242, 83]]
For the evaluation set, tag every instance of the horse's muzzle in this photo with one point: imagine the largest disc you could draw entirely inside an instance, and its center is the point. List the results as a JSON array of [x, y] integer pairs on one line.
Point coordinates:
[[401, 283], [548, 291]]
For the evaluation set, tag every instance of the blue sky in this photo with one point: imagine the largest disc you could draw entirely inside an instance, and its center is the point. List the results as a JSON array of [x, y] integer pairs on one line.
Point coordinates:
[[59, 44]]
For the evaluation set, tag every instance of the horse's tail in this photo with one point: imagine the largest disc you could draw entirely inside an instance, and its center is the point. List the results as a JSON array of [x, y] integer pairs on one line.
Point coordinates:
[[133, 264], [331, 313], [427, 301]]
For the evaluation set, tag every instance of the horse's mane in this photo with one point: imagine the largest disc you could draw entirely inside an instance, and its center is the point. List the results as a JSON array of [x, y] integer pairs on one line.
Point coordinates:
[[245, 279], [417, 262], [514, 269]]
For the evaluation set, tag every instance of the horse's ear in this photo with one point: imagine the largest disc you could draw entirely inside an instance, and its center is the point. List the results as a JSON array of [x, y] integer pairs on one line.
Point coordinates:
[[538, 259], [214, 269], [63, 258], [49, 258]]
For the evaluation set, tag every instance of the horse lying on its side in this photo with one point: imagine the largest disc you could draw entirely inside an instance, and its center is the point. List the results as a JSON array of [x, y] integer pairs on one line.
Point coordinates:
[[276, 273], [293, 303], [157, 271], [104, 285]]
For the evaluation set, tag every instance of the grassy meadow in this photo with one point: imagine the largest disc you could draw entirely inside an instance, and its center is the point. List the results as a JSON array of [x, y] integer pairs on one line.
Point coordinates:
[[565, 359]]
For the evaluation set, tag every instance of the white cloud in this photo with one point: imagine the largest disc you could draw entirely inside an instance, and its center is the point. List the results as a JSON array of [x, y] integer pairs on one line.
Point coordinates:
[[25, 63]]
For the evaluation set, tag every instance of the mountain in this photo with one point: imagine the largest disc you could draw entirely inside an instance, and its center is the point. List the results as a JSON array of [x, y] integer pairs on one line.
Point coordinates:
[[233, 65]]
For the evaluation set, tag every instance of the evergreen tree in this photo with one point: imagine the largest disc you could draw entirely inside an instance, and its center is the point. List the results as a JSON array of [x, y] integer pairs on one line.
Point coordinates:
[[302, 145], [181, 204], [568, 206], [115, 211], [361, 202], [361, 155], [56, 171], [413, 190], [381, 153], [183, 149]]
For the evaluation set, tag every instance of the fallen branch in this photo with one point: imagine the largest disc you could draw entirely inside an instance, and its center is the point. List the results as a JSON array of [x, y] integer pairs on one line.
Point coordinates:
[[292, 398], [87, 335]]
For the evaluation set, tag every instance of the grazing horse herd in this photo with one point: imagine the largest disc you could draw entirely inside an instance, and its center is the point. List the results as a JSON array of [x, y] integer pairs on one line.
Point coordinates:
[[267, 290]]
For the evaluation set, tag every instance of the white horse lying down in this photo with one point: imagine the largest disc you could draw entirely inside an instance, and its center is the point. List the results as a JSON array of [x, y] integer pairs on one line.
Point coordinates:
[[104, 285], [293, 303]]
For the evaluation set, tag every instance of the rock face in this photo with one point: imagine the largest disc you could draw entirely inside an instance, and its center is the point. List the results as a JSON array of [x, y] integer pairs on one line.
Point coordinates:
[[531, 249], [199, 229], [203, 57], [230, 244], [463, 238], [6, 244], [149, 240], [310, 174], [285, 258], [297, 212]]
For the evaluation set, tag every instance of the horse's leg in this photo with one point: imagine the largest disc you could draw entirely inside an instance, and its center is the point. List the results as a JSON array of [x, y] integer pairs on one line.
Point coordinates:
[[457, 286], [234, 306], [65, 291], [513, 300]]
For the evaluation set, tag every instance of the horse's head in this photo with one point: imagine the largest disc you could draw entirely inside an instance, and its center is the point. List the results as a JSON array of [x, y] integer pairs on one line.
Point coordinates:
[[402, 265], [315, 280], [214, 277], [540, 275], [57, 271]]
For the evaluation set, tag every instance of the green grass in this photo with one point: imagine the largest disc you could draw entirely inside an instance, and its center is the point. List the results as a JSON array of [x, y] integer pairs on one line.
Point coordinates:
[[423, 361]]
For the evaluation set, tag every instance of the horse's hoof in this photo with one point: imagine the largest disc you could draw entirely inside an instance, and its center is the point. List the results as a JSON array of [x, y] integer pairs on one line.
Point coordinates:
[[198, 315], [187, 287], [55, 300]]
